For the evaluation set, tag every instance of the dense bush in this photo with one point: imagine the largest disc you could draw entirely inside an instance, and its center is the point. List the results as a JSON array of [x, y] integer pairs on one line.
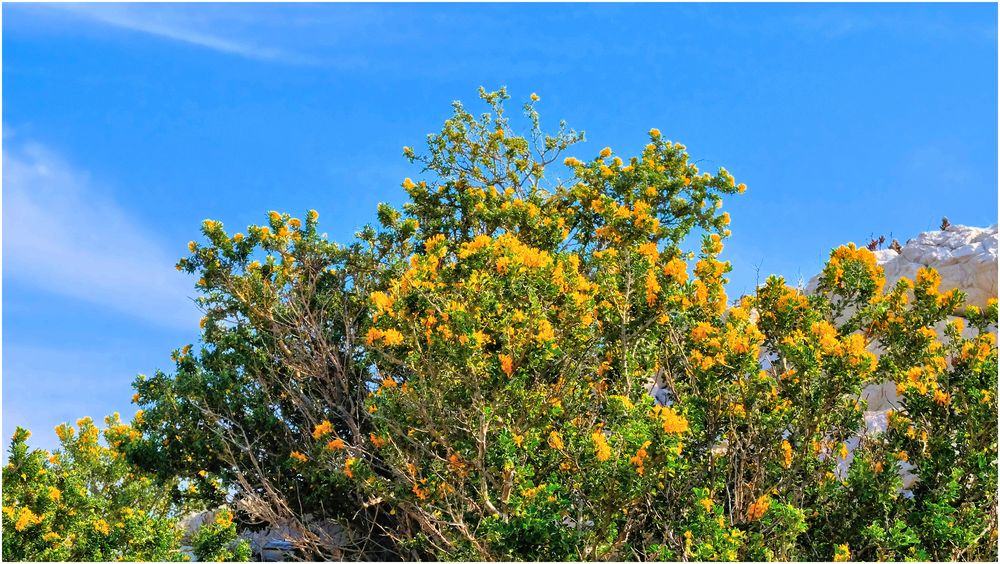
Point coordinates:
[[469, 378], [85, 502]]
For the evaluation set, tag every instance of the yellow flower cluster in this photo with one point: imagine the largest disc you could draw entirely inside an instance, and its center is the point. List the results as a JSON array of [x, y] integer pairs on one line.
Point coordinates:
[[556, 441], [474, 246], [601, 447], [545, 333], [758, 508], [26, 518], [65, 432], [930, 278], [652, 287], [639, 460], [672, 421], [389, 337], [101, 526], [826, 336], [224, 518], [850, 253], [852, 348], [506, 364], [786, 451], [321, 429], [978, 349], [649, 251], [382, 302], [677, 270]]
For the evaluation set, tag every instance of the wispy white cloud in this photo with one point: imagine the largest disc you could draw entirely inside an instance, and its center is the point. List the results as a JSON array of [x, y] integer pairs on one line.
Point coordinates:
[[184, 25], [60, 233]]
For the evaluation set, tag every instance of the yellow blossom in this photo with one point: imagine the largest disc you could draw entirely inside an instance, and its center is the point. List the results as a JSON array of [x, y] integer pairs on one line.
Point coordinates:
[[652, 288], [26, 518], [676, 269], [601, 448], [545, 331], [941, 398], [671, 420], [101, 526], [758, 508], [931, 278], [555, 441], [786, 450], [649, 251], [381, 301], [640, 458], [323, 428], [392, 337], [506, 364]]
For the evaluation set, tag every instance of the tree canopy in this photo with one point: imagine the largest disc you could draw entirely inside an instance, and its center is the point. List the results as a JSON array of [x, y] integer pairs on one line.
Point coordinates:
[[471, 377]]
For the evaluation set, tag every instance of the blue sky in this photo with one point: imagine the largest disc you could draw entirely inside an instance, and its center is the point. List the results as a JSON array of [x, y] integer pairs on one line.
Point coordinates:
[[124, 126]]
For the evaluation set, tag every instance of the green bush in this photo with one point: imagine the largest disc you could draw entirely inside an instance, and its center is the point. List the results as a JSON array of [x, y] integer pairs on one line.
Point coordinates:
[[85, 502], [469, 378]]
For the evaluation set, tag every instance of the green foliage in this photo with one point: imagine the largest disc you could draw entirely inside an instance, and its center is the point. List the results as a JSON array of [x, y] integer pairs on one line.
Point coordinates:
[[85, 502], [468, 380], [216, 541]]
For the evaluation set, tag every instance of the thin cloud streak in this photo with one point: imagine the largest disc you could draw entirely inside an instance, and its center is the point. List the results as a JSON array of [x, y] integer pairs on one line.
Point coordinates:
[[61, 235], [170, 24]]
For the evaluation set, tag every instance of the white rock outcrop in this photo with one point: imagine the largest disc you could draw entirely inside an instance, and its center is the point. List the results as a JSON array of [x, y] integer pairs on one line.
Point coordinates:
[[966, 258]]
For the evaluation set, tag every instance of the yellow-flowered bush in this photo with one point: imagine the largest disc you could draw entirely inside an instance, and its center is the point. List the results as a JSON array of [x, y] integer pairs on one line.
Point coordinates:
[[86, 502], [470, 378]]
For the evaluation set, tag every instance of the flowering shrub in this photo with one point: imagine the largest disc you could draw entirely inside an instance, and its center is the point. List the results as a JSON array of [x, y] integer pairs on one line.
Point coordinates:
[[215, 541], [470, 378], [85, 502]]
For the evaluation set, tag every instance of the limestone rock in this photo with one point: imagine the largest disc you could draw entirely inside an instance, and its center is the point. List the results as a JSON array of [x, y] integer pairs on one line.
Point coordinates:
[[966, 258]]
